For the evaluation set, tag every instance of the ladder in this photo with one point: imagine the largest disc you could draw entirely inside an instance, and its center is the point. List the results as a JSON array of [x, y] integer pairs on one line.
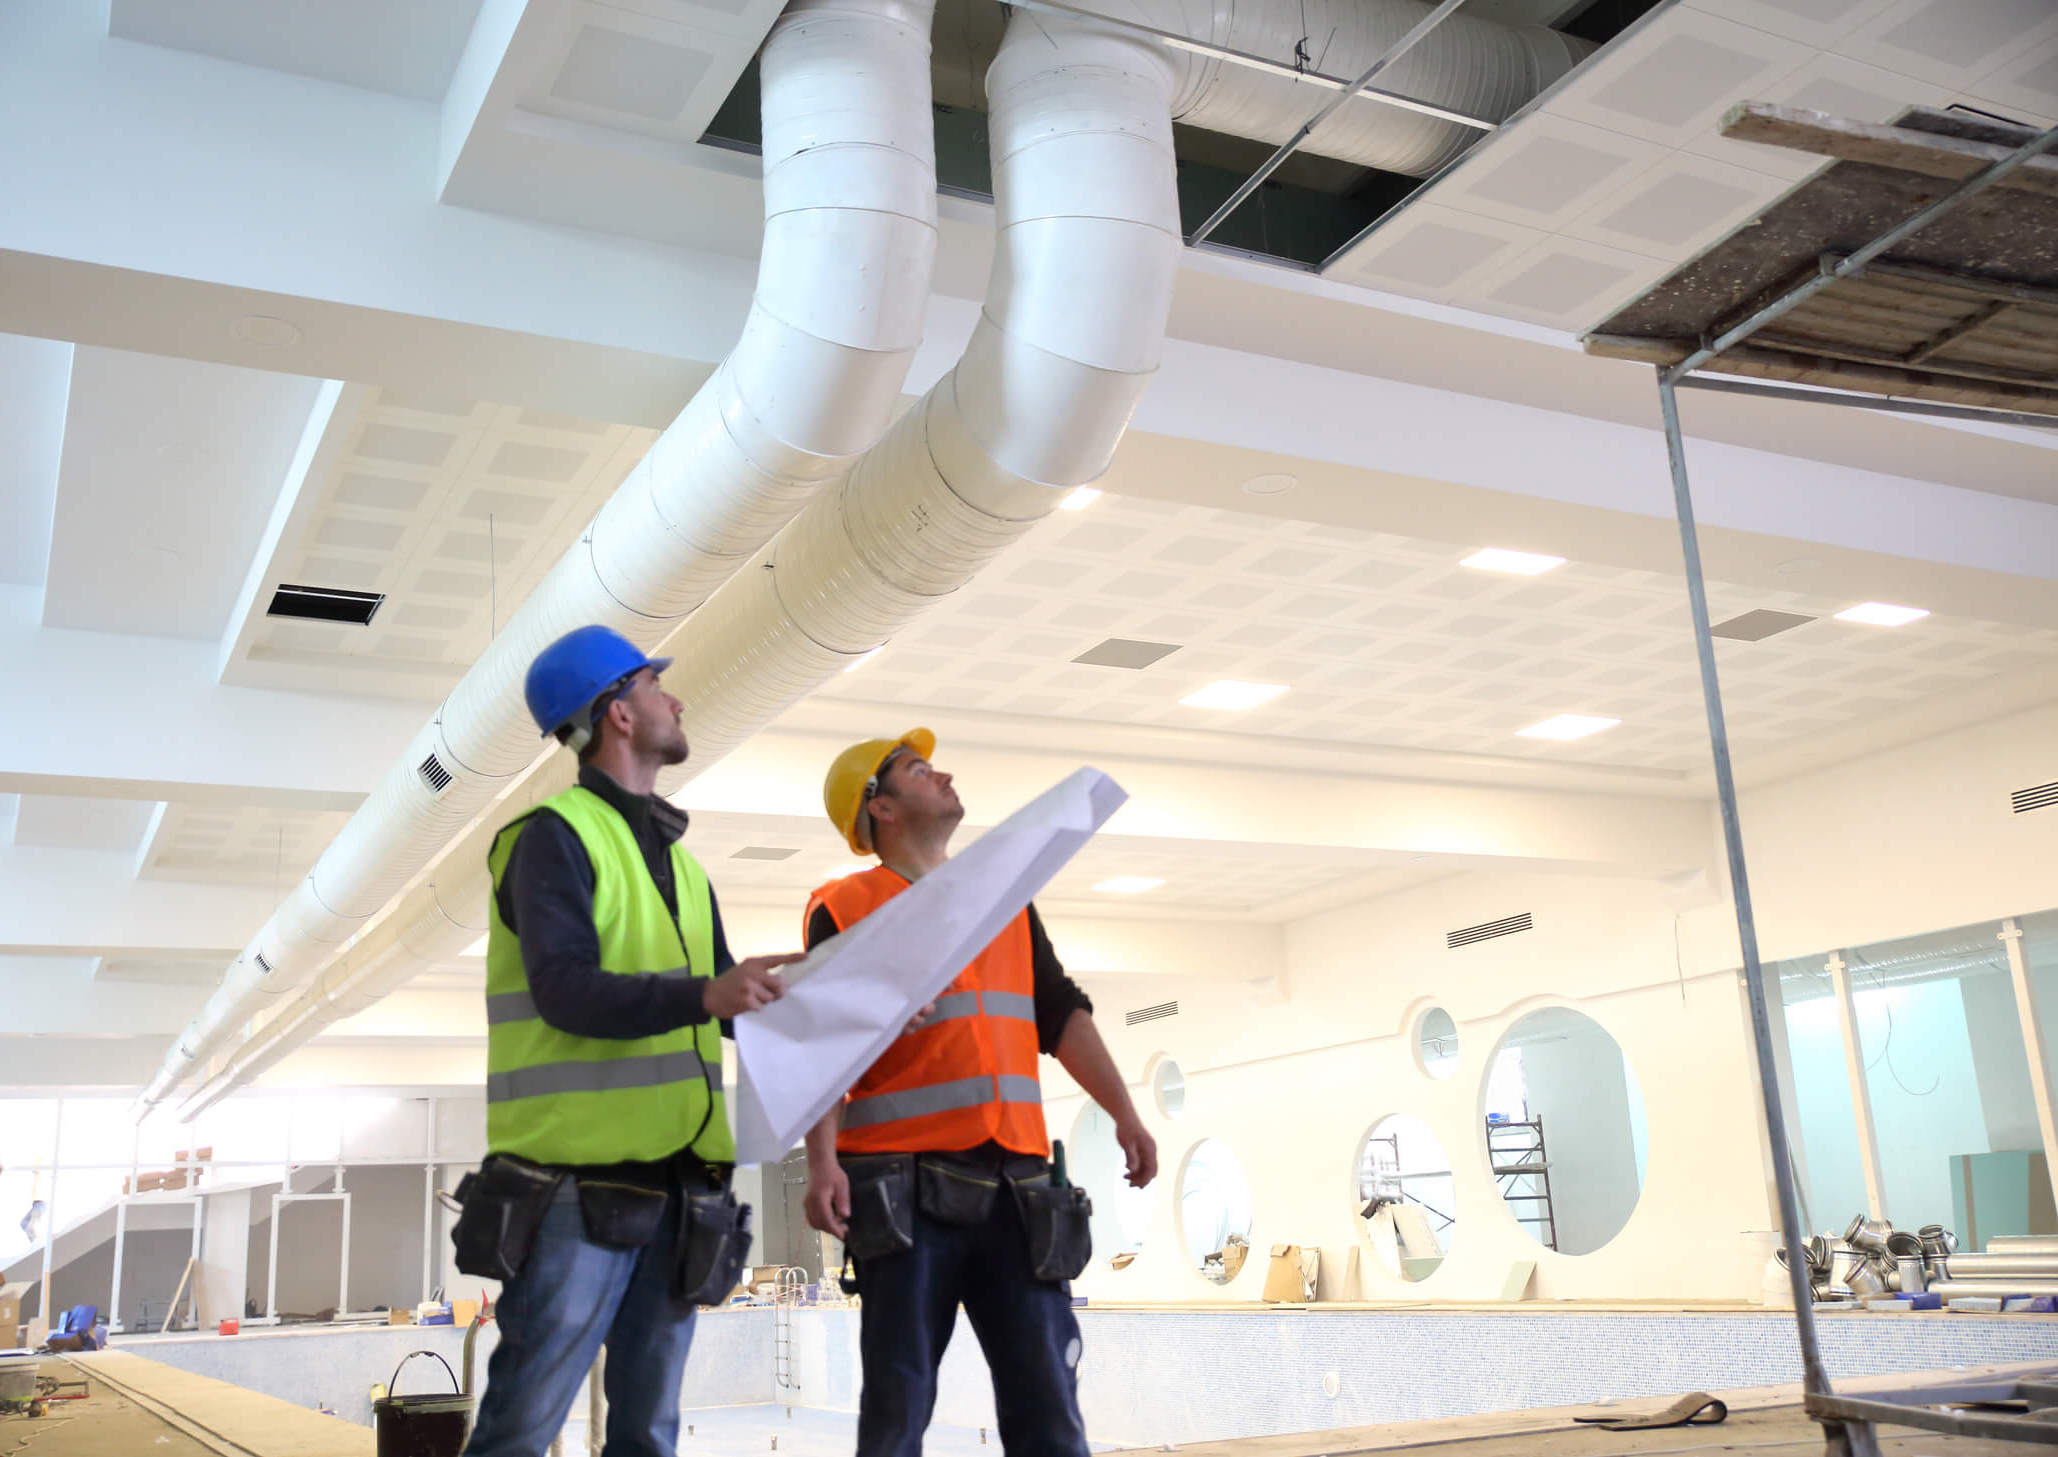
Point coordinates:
[[787, 1294], [1523, 1166]]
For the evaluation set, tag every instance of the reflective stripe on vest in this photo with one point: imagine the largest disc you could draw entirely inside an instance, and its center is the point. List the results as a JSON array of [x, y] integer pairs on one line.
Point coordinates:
[[968, 1075], [940, 1098], [599, 1077], [557, 1098]]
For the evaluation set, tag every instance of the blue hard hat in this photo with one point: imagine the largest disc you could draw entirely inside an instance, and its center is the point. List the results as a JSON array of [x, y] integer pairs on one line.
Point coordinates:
[[576, 669]]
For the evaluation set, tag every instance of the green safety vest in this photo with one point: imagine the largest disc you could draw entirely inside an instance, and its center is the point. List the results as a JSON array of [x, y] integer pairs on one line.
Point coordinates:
[[554, 1098]]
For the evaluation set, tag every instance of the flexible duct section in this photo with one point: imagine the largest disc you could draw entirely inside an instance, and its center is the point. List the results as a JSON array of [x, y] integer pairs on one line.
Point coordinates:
[[1086, 252], [843, 287]]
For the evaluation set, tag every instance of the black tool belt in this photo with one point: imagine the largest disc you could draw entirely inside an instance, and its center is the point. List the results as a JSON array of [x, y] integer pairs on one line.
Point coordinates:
[[955, 1189], [503, 1205]]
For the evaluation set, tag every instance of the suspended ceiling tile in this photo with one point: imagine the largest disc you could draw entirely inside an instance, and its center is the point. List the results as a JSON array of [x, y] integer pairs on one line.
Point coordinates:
[[1567, 283], [1670, 82], [2026, 86], [1954, 43], [1546, 171], [1679, 208], [1817, 23], [68, 822], [1432, 252]]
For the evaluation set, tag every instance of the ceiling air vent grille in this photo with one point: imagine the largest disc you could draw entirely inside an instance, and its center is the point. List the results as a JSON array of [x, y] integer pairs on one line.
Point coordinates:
[[2037, 796], [434, 774], [262, 965], [324, 604], [1487, 931], [1151, 1014]]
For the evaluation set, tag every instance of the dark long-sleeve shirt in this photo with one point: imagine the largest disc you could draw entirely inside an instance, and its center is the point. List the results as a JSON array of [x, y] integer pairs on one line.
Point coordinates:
[[546, 899], [1057, 995]]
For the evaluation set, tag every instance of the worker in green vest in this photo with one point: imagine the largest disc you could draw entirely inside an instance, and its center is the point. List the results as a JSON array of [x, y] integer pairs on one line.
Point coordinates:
[[604, 1204]]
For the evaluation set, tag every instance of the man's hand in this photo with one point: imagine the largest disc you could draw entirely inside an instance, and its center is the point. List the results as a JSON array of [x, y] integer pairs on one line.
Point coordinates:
[[827, 1205], [920, 1020], [1140, 1149], [746, 987]]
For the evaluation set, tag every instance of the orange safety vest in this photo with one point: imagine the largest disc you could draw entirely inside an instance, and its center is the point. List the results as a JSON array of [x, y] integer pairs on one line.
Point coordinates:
[[968, 1075]]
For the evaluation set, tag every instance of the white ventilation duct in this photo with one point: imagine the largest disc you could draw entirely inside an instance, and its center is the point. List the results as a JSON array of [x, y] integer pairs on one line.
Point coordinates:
[[1087, 250], [843, 288]]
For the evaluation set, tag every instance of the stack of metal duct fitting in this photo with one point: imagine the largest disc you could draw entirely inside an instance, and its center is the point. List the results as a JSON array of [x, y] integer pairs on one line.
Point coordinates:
[[2014, 1264], [1873, 1258]]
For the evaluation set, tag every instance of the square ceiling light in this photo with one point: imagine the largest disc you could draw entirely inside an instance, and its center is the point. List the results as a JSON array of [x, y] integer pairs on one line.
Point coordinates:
[[1228, 693], [1128, 885], [1567, 726], [1882, 614], [1125, 652], [1517, 563], [1759, 624]]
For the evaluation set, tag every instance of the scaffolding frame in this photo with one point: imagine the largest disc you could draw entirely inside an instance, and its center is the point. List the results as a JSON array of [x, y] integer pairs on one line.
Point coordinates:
[[1848, 1423]]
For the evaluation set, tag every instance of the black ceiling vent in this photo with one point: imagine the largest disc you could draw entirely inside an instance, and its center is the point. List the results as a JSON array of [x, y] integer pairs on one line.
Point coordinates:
[[434, 774], [324, 604], [262, 965], [1125, 652], [2037, 796], [1471, 935], [1756, 626], [1151, 1014]]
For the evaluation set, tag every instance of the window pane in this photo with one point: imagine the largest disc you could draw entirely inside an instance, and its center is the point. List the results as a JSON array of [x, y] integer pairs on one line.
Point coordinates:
[[1832, 1176], [385, 1128], [1949, 1083], [100, 1131], [317, 1129], [27, 1126]]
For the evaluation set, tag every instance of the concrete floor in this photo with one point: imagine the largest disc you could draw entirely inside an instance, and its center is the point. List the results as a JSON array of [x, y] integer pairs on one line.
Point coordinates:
[[777, 1431]]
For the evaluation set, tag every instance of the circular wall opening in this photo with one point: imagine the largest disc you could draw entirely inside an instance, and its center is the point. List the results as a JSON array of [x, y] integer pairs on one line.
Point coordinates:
[[1121, 1213], [1436, 1043], [1406, 1196], [1168, 1087], [1214, 1211], [1565, 1130]]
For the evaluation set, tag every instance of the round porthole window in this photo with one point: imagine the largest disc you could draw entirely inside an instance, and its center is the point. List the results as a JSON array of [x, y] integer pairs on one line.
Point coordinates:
[[1121, 1212], [1168, 1088], [1436, 1043], [1215, 1211], [1565, 1130], [1407, 1197]]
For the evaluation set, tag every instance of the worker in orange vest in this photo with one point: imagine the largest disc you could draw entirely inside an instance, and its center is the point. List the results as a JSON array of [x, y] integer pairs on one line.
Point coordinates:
[[935, 1170]]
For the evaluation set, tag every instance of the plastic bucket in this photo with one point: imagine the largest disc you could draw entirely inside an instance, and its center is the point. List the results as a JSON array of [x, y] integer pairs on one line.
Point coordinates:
[[422, 1426]]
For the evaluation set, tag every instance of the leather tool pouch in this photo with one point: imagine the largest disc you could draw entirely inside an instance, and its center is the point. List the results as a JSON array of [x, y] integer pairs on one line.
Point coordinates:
[[620, 1216], [882, 1205], [503, 1206], [714, 1241], [950, 1193], [1056, 1219]]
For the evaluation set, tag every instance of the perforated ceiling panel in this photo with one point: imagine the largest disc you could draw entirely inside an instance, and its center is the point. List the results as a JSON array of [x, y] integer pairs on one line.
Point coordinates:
[[1622, 174], [1385, 640], [229, 844]]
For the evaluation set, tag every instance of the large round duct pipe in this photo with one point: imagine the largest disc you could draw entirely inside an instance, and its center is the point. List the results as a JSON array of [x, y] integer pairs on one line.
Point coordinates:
[[1087, 248], [842, 293]]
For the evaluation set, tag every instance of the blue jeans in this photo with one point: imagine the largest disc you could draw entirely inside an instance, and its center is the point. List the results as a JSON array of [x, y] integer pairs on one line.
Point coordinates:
[[1024, 1325], [572, 1297]]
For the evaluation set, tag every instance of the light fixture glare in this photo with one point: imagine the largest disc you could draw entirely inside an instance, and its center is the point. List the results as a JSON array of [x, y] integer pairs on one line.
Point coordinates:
[[1228, 693], [1567, 726]]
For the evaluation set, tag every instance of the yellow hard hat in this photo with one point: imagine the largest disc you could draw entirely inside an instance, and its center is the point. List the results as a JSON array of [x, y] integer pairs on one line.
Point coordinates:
[[854, 778]]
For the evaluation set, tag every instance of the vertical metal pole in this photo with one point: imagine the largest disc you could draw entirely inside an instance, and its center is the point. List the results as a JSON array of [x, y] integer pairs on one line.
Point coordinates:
[[343, 1256], [121, 1226], [2033, 1046], [1814, 1378], [50, 1210], [428, 1196], [1861, 1093], [271, 1279], [199, 1270]]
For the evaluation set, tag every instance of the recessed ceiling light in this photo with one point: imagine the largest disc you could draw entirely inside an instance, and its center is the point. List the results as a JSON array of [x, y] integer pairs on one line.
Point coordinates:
[[1080, 498], [860, 661], [1276, 484], [1228, 693], [264, 331], [1125, 652], [1567, 726], [1128, 885], [1518, 563], [1882, 614]]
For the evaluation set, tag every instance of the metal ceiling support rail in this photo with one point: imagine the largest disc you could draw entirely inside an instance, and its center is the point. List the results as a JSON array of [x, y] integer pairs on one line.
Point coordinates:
[[1287, 148], [1848, 1425], [1869, 402], [1287, 70]]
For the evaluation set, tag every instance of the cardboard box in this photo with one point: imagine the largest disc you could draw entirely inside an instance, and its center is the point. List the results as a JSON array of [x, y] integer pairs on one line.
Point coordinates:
[[1291, 1277], [463, 1312], [400, 1317], [10, 1314]]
